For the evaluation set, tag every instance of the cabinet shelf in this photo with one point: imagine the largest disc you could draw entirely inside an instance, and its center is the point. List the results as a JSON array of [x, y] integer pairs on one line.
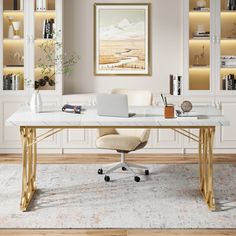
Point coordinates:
[[199, 67], [228, 11], [228, 39], [6, 40], [12, 12], [199, 12], [16, 67], [228, 68], [42, 13], [39, 40], [199, 39]]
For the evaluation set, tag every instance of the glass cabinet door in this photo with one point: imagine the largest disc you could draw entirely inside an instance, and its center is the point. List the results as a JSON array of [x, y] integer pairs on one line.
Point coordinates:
[[45, 45], [13, 45], [199, 45], [228, 45]]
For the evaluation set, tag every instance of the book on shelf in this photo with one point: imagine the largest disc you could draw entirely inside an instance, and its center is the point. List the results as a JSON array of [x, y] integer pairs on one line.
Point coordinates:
[[228, 61], [41, 5], [49, 28], [175, 85], [12, 82], [44, 5], [229, 82], [231, 5], [201, 9], [15, 5], [21, 5]]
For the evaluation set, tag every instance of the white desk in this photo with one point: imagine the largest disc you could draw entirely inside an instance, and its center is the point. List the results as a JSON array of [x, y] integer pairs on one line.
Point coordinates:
[[146, 117]]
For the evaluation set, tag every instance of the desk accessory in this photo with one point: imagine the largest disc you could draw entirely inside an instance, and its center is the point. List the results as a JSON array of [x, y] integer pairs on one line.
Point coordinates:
[[169, 110], [186, 106], [72, 109], [36, 103]]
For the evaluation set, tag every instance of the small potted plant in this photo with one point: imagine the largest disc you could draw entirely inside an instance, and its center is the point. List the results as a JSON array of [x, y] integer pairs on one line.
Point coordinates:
[[53, 62]]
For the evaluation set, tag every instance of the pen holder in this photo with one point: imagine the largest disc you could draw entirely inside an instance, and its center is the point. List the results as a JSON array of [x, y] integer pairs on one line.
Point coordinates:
[[169, 111]]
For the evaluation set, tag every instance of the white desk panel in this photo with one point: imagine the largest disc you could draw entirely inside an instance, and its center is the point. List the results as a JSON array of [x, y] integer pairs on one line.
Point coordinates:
[[145, 117]]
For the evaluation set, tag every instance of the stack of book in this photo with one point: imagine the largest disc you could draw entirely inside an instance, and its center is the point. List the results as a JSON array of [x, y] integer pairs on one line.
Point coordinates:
[[18, 5], [41, 5], [201, 35], [12, 82], [231, 5], [201, 9], [228, 61], [175, 85], [229, 82], [49, 28]]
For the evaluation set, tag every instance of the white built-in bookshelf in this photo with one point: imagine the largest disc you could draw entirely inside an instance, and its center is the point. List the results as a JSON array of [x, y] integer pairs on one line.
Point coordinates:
[[27, 28], [210, 46]]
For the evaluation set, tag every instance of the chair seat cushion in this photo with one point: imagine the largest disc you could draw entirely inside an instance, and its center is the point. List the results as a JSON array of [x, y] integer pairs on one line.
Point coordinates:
[[118, 142]]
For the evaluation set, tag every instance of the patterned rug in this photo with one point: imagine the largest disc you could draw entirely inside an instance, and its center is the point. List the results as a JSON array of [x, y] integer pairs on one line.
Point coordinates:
[[74, 196]]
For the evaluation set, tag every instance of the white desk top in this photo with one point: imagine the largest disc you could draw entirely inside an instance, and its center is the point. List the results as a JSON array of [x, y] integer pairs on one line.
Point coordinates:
[[145, 117]]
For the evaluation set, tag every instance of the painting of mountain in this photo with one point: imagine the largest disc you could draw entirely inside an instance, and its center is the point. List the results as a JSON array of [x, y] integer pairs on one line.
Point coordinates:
[[122, 39]]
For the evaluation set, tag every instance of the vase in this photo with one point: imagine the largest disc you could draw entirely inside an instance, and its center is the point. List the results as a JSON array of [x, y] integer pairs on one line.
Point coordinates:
[[36, 103]]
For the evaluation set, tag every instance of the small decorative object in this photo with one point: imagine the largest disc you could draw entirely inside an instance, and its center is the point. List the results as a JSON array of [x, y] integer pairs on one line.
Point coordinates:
[[201, 3], [196, 60], [16, 26], [186, 106], [72, 109], [122, 39], [169, 112], [10, 29], [200, 60], [36, 102], [43, 82], [201, 32]]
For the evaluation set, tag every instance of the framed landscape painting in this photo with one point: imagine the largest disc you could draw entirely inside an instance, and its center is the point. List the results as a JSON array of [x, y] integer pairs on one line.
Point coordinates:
[[122, 39]]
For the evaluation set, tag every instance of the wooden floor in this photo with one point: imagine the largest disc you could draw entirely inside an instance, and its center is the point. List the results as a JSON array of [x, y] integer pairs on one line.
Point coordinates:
[[75, 232], [106, 158]]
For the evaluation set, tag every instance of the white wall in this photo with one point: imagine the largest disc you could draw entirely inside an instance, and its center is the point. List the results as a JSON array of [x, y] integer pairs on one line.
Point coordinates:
[[166, 47]]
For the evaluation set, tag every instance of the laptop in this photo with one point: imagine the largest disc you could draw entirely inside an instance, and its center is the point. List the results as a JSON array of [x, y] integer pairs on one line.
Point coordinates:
[[115, 105]]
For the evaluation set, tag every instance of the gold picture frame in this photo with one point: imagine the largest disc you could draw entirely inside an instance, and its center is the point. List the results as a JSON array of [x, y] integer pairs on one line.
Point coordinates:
[[122, 39]]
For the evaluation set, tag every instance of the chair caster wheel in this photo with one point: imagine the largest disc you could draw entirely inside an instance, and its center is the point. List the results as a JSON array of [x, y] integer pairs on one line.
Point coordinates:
[[136, 179], [107, 178], [123, 168], [146, 172], [100, 171]]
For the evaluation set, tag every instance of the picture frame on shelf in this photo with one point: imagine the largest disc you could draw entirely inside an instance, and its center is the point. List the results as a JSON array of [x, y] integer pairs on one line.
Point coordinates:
[[122, 39]]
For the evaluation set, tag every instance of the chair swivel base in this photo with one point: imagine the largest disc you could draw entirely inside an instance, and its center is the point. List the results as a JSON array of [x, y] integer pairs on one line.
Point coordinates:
[[125, 167]]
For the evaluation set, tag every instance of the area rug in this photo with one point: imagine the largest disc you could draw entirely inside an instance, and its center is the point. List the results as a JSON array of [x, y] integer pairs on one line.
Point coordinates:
[[74, 196]]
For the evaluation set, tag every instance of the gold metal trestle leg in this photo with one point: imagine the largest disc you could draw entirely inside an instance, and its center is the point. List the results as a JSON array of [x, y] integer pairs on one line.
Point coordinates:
[[206, 136], [29, 161]]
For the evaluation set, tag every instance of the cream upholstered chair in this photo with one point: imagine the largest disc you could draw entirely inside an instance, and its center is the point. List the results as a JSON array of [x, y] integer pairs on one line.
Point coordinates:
[[125, 140]]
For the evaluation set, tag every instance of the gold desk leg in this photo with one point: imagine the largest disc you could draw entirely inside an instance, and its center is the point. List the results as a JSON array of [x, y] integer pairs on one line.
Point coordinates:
[[29, 162], [206, 136]]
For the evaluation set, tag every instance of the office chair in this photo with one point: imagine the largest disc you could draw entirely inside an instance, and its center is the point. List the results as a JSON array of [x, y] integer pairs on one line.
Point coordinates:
[[125, 140]]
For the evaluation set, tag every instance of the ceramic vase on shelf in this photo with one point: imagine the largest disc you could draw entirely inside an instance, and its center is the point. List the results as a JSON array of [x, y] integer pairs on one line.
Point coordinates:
[[36, 103]]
